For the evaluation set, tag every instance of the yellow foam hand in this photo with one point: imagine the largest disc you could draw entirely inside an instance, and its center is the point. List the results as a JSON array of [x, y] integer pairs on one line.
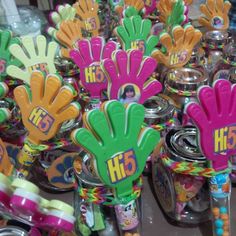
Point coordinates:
[[39, 56], [178, 46], [215, 14], [68, 34], [45, 106], [87, 11]]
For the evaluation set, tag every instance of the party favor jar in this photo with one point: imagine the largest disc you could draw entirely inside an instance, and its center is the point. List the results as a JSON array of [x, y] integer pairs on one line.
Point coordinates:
[[197, 58], [180, 188], [213, 44], [181, 85], [226, 67], [90, 194]]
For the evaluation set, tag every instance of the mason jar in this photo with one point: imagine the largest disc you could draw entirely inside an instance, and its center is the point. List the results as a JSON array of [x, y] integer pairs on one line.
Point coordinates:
[[105, 220], [213, 44], [226, 67], [183, 197], [181, 86]]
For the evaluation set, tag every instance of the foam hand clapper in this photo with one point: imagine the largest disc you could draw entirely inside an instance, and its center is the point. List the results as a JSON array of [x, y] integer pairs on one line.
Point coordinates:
[[62, 13], [88, 57], [215, 118], [87, 11], [68, 35], [33, 57], [130, 8], [128, 76], [178, 46], [134, 33], [45, 106], [215, 14], [118, 144], [6, 58]]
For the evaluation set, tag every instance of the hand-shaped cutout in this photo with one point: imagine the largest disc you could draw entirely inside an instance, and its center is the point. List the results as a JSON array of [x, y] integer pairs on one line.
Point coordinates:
[[34, 57], [87, 57], [87, 10], [68, 35], [215, 118], [134, 33], [130, 8], [128, 77], [62, 13], [215, 14], [45, 106], [179, 49], [118, 144], [172, 12], [6, 40]]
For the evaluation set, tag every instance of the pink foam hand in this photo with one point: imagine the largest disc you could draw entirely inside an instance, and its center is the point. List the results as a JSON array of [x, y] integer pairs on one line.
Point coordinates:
[[215, 118], [88, 56], [128, 76]]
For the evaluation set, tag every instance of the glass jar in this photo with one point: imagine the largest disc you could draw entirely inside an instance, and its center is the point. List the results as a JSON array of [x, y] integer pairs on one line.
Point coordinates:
[[213, 44], [184, 198], [181, 86], [226, 67], [103, 219], [197, 58]]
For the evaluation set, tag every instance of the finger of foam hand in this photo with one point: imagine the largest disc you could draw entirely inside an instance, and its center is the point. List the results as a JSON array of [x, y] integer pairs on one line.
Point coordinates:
[[129, 27], [37, 86], [71, 112], [65, 52], [19, 53], [5, 37], [85, 51], [79, 11], [83, 5], [188, 35], [22, 96], [29, 46], [97, 44], [196, 38], [51, 52], [139, 5], [219, 6], [135, 60], [166, 41], [233, 101], [204, 22], [205, 11], [18, 73], [159, 56], [122, 63], [137, 23], [63, 99], [53, 84], [178, 35], [148, 66], [211, 6], [89, 4], [41, 46], [226, 8]]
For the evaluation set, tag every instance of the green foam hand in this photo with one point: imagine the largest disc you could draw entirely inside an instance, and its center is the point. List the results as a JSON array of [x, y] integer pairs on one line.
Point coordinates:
[[177, 16], [134, 34], [6, 59], [62, 13], [5, 113], [39, 56], [131, 11], [120, 146]]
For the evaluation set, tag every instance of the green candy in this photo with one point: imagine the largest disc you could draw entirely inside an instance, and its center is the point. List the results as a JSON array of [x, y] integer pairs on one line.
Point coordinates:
[[134, 34], [119, 148], [6, 59]]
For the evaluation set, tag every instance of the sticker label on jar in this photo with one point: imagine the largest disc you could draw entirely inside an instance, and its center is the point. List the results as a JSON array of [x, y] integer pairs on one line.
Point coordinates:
[[220, 185], [138, 44], [121, 166], [127, 215], [221, 74], [94, 74], [225, 139]]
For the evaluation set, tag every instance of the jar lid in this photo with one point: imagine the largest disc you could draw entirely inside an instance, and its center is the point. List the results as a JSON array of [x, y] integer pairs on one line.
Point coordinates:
[[61, 206], [11, 230], [182, 145], [159, 108], [187, 79], [24, 184], [217, 37], [85, 172]]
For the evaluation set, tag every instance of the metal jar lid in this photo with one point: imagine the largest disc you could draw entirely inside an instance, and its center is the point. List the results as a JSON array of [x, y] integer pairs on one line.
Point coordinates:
[[186, 79], [86, 175], [159, 108], [12, 231], [181, 145], [217, 37]]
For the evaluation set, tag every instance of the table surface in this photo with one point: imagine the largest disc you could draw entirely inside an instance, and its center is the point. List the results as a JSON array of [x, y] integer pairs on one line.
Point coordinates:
[[155, 223]]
